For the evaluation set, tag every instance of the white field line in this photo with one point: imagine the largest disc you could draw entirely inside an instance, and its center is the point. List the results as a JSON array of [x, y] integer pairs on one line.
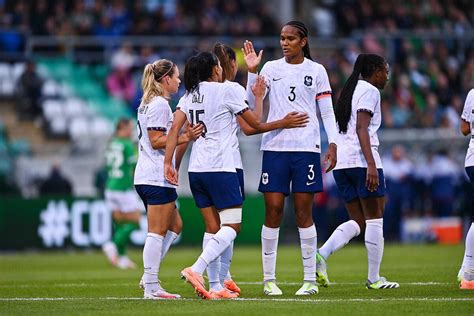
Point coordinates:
[[240, 283], [306, 301]]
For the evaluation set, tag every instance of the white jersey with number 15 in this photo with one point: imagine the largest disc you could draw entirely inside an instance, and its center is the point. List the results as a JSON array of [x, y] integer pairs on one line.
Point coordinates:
[[214, 104]]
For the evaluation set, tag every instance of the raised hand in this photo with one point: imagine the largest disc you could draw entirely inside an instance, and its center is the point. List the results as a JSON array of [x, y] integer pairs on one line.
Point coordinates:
[[295, 120], [259, 87], [251, 58]]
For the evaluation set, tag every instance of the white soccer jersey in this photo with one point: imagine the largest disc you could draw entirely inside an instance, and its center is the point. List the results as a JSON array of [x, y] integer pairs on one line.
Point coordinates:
[[215, 105], [294, 87], [366, 98], [468, 116], [158, 116]]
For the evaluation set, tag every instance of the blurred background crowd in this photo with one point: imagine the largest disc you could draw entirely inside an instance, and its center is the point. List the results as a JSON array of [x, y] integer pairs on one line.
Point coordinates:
[[70, 69]]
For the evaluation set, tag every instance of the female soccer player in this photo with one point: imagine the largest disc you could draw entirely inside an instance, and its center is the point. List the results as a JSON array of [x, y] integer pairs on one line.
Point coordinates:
[[466, 274], [358, 173], [218, 270], [294, 82], [212, 175], [160, 80]]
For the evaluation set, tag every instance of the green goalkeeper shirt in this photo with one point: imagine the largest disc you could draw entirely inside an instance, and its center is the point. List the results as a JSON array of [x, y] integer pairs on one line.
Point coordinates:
[[121, 159]]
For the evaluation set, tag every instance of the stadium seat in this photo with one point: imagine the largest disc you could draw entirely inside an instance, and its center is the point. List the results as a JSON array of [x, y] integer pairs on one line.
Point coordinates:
[[52, 109], [17, 70]]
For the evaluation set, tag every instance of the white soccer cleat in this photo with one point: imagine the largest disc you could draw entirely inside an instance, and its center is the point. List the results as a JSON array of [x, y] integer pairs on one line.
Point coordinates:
[[270, 288], [110, 251], [125, 263], [308, 288], [141, 284], [382, 284], [321, 271], [160, 294]]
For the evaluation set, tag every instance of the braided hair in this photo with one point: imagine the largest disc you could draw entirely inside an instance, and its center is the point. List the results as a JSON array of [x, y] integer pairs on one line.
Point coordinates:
[[303, 32], [365, 65]]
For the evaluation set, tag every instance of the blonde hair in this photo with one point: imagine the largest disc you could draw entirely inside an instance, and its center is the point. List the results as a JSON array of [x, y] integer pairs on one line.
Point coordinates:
[[152, 76]]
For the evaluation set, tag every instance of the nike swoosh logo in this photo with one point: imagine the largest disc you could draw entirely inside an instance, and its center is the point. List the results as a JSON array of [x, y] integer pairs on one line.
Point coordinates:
[[307, 258], [276, 79], [310, 183], [268, 253]]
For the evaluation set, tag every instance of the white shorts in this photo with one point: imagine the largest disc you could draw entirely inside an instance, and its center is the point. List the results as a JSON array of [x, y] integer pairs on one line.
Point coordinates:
[[123, 201]]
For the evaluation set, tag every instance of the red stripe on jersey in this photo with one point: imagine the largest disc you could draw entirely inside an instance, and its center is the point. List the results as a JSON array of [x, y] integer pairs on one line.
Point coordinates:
[[323, 95]]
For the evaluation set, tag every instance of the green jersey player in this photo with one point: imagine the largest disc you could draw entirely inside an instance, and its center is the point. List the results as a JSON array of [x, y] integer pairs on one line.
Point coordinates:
[[120, 195]]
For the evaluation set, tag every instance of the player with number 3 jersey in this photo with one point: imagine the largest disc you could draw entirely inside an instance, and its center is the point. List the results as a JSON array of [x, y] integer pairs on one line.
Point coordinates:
[[292, 156]]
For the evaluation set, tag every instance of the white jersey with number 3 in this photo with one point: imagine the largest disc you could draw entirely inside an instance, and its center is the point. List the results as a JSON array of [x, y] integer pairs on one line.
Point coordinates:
[[214, 104], [294, 87], [157, 116], [468, 116], [366, 98]]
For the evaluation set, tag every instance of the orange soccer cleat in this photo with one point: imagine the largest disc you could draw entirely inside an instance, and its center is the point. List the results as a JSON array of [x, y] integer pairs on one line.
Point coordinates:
[[466, 285], [223, 294], [231, 286], [197, 281]]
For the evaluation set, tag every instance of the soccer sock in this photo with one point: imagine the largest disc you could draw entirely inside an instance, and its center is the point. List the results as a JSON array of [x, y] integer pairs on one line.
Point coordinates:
[[122, 236], [339, 238], [269, 252], [151, 260], [226, 259], [469, 255], [167, 241], [213, 267], [214, 248], [374, 243], [308, 237]]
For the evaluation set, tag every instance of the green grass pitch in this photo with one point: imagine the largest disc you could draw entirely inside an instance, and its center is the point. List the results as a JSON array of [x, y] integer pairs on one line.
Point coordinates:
[[81, 282]]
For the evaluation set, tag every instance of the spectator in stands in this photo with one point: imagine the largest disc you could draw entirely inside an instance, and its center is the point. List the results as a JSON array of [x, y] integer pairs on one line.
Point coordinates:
[[55, 183], [397, 170], [120, 83], [29, 92]]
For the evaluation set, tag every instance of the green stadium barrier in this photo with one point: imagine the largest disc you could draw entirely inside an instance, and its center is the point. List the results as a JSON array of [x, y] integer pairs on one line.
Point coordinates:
[[72, 222]]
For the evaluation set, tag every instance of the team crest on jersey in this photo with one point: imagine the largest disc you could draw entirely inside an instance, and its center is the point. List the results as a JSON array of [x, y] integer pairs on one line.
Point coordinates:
[[264, 178], [308, 80]]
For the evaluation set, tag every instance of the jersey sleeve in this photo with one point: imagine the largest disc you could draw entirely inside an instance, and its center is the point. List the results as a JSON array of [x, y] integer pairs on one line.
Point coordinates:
[[235, 99], [468, 107], [157, 118], [368, 101], [323, 87]]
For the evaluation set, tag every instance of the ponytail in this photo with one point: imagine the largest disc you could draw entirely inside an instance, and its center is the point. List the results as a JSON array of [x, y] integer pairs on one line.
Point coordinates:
[[365, 66], [226, 55], [303, 31], [152, 76]]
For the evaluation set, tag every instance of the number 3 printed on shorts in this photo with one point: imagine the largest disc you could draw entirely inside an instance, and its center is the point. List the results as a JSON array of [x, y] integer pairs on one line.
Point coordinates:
[[310, 175], [311, 172]]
